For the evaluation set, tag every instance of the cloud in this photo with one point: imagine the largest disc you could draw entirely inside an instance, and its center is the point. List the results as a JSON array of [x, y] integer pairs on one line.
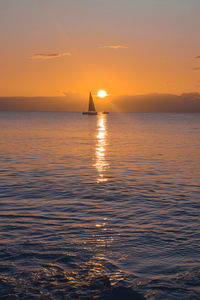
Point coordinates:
[[196, 69], [49, 55], [188, 102], [196, 57], [114, 47]]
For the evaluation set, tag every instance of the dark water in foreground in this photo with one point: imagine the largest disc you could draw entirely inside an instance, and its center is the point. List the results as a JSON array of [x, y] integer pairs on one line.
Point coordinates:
[[109, 195]]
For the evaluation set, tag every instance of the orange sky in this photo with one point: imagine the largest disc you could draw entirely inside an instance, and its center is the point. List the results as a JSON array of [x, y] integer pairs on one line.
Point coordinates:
[[49, 48]]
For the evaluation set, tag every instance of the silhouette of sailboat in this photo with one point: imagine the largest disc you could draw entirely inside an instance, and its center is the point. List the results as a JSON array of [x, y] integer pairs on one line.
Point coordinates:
[[91, 107]]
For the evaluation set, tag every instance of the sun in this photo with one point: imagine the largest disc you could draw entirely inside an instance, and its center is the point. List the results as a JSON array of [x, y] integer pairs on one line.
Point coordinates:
[[102, 94]]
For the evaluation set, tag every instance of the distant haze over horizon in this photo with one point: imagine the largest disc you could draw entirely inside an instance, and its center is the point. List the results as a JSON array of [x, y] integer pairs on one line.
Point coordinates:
[[51, 48], [187, 102]]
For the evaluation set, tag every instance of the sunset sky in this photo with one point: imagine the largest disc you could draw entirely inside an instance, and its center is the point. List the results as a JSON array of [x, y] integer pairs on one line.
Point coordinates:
[[53, 47]]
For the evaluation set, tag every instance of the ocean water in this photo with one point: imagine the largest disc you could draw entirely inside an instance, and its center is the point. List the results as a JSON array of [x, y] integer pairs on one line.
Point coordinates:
[[85, 199]]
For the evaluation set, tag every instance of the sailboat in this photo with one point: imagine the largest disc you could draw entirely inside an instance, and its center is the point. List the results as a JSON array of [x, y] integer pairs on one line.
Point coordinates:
[[91, 107]]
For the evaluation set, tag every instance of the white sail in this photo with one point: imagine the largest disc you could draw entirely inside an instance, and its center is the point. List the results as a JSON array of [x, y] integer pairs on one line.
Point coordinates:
[[91, 106]]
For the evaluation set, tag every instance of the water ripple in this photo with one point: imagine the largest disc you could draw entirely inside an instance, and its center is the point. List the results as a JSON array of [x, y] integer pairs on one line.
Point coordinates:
[[102, 202]]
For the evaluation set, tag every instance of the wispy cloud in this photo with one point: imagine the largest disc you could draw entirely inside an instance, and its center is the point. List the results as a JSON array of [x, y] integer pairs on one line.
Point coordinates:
[[196, 57], [114, 46], [196, 69], [49, 55]]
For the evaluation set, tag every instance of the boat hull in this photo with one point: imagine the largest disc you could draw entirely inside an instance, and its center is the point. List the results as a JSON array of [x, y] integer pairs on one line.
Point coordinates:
[[90, 113]]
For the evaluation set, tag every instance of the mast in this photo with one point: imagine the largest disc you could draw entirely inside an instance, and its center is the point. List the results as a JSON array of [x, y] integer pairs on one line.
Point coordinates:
[[91, 106]]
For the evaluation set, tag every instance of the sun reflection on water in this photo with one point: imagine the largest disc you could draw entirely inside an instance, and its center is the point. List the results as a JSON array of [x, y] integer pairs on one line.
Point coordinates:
[[101, 164]]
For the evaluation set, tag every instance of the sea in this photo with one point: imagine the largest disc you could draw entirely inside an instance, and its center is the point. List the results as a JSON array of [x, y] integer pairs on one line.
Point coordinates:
[[92, 203]]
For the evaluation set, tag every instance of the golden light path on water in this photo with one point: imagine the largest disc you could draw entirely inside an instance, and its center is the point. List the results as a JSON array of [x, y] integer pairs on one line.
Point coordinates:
[[101, 163], [102, 237]]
